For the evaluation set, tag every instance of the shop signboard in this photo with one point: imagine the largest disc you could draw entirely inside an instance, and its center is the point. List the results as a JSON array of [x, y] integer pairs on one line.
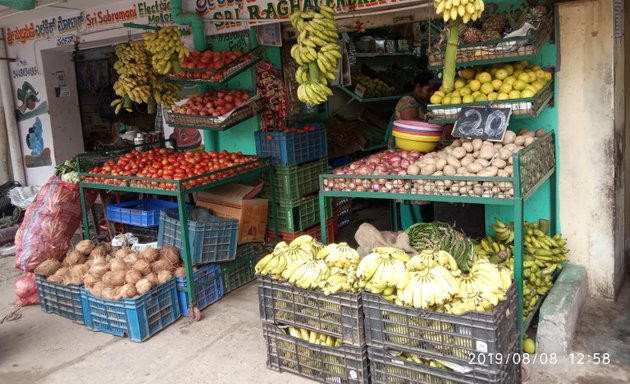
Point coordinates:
[[485, 123]]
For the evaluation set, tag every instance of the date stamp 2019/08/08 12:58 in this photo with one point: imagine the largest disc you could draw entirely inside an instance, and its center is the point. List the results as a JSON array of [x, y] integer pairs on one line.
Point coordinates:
[[578, 358]]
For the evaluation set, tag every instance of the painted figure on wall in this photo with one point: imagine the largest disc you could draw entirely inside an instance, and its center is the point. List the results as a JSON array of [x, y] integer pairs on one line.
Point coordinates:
[[29, 107], [40, 155]]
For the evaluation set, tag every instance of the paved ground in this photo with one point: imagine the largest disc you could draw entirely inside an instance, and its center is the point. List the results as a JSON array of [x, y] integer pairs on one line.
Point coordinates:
[[227, 346]]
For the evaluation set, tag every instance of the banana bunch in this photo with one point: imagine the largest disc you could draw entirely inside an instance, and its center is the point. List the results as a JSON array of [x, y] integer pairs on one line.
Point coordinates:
[[421, 360], [164, 92], [495, 251], [166, 48], [275, 263], [466, 10], [339, 255], [432, 258], [383, 271], [428, 286], [482, 301], [133, 76], [484, 276], [313, 337], [340, 279], [316, 52], [306, 273]]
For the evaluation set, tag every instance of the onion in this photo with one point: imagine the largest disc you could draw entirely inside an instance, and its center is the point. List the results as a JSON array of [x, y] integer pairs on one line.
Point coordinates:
[[405, 163]]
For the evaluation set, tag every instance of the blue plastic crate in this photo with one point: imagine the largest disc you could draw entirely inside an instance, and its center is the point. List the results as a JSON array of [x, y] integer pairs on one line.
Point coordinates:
[[63, 300], [138, 318], [143, 212], [212, 238], [292, 148], [208, 287]]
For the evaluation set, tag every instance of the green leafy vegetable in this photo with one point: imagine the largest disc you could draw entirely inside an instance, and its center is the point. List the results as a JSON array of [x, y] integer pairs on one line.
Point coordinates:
[[439, 236]]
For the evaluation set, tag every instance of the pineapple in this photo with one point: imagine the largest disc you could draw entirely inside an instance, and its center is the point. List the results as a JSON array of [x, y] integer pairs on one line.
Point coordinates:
[[494, 23], [470, 35], [491, 35]]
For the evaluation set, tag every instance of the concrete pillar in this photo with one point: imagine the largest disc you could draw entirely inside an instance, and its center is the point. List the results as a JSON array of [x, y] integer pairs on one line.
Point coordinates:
[[592, 138]]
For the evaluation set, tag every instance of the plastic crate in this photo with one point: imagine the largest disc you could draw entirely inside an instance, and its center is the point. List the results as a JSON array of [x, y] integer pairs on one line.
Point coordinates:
[[314, 231], [239, 272], [208, 287], [63, 300], [339, 202], [339, 315], [144, 235], [294, 182], [300, 216], [211, 241], [439, 335], [138, 318], [292, 148], [385, 368], [142, 213], [346, 364]]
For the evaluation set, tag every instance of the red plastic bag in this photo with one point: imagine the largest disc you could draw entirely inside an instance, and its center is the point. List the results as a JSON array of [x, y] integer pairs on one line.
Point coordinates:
[[49, 224], [26, 290]]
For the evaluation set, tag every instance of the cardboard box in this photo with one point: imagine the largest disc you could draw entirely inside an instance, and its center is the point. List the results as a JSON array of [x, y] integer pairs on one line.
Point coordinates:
[[234, 201]]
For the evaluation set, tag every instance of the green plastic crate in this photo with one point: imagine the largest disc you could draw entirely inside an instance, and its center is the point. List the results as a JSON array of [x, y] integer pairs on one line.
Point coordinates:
[[296, 181], [300, 216], [239, 272]]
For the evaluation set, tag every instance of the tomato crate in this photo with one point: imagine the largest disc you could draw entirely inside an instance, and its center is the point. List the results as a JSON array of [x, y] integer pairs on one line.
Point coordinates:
[[339, 315], [392, 367], [441, 336], [346, 364], [141, 213], [292, 148], [139, 318], [294, 182], [63, 300], [239, 272], [212, 238], [208, 287], [315, 231], [300, 216]]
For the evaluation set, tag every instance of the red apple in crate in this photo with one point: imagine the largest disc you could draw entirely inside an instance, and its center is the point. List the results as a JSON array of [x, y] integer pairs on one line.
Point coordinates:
[[229, 98], [229, 106]]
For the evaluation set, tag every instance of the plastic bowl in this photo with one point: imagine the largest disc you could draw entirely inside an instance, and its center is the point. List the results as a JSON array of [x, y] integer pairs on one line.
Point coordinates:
[[407, 136], [418, 132], [413, 145], [415, 125]]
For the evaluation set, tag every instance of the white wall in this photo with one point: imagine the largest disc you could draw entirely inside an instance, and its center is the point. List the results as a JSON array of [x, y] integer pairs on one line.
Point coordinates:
[[65, 116]]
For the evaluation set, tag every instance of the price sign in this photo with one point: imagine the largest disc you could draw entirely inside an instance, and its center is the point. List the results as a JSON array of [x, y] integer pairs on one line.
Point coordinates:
[[484, 123], [360, 90]]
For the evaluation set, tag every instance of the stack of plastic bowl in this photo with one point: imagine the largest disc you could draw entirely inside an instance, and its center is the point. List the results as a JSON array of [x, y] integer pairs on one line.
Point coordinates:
[[416, 135]]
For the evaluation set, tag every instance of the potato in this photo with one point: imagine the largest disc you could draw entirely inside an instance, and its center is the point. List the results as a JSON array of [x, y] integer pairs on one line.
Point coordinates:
[[476, 154], [459, 152], [456, 143], [442, 155], [540, 132], [450, 170], [428, 160], [491, 171], [440, 164], [529, 141], [483, 162], [452, 160], [438, 173], [503, 173], [413, 169], [509, 137], [505, 154], [509, 169], [499, 163], [461, 171], [477, 143], [520, 140], [467, 160], [474, 167], [498, 145], [511, 147], [428, 170], [468, 147], [486, 152]]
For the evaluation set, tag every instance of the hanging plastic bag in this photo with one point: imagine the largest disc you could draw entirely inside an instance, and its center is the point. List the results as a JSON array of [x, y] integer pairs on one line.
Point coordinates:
[[26, 290], [49, 224]]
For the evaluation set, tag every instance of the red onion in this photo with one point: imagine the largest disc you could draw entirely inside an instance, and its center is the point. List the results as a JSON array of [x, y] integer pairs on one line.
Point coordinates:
[[376, 187], [394, 159], [405, 163]]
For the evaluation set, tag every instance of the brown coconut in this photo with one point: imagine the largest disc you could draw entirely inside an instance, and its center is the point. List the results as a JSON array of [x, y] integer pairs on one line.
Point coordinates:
[[61, 271], [117, 295], [142, 266], [99, 251], [118, 265], [48, 267], [180, 272], [85, 247], [128, 291], [150, 254], [131, 258], [107, 293], [160, 265], [107, 278], [133, 276], [77, 272], [96, 290], [99, 269], [89, 280], [75, 257], [122, 252], [152, 277], [55, 279], [164, 276], [98, 259], [171, 254], [118, 278], [143, 285]]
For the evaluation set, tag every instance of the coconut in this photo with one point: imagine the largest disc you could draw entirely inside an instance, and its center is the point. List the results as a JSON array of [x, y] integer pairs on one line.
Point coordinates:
[[118, 278], [107, 278], [143, 285], [122, 252], [117, 295], [85, 247], [164, 276], [89, 262], [75, 257], [99, 269], [152, 277], [171, 254], [142, 266], [96, 290], [118, 265], [131, 258], [61, 271], [48, 267], [128, 290], [99, 259], [133, 276], [89, 280], [180, 272], [107, 293], [160, 265], [150, 254], [100, 250], [77, 272], [55, 279]]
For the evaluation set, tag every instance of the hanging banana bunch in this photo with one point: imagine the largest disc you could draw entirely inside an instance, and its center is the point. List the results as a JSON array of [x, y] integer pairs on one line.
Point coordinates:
[[166, 48], [457, 12], [133, 76], [317, 53]]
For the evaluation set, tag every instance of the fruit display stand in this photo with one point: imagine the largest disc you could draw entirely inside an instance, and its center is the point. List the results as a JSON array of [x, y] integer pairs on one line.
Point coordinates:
[[178, 189], [533, 166], [221, 123], [218, 76]]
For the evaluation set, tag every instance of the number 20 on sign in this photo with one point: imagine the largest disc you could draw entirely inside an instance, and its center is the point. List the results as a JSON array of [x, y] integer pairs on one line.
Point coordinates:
[[484, 123]]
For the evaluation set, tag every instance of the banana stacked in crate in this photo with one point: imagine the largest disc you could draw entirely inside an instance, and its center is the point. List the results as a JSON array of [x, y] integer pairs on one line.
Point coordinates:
[[317, 53]]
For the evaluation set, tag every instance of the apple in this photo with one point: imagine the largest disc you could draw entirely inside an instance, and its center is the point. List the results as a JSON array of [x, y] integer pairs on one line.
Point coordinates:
[[229, 98], [229, 106]]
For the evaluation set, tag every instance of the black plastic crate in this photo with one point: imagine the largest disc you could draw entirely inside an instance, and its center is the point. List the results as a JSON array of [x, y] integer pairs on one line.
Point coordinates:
[[339, 315], [144, 235], [439, 335], [390, 368], [346, 364]]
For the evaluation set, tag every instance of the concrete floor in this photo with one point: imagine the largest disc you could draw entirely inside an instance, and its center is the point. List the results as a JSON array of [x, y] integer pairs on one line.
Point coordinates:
[[227, 346]]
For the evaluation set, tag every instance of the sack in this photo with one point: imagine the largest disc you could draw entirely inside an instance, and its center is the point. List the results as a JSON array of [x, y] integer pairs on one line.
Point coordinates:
[[49, 224], [26, 290]]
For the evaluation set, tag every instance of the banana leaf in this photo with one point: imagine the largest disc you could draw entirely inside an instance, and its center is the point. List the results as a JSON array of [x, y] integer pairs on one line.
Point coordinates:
[[440, 236]]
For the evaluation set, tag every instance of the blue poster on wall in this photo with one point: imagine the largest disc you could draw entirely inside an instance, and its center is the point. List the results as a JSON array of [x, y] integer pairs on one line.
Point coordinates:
[[31, 105], [40, 155]]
